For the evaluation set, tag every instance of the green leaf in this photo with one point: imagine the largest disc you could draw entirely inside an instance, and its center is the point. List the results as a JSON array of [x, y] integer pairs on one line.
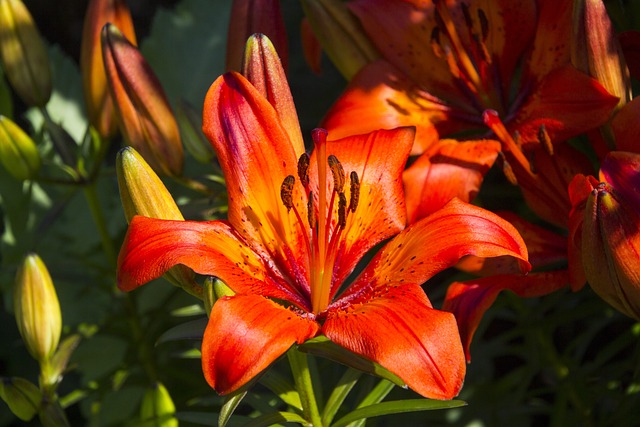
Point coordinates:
[[186, 47], [282, 388], [339, 394], [231, 402], [192, 330], [60, 358], [322, 346], [267, 420], [397, 407], [189, 310]]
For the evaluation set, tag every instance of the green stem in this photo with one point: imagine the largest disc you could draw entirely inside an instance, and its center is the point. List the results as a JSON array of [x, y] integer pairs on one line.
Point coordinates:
[[98, 217], [302, 377]]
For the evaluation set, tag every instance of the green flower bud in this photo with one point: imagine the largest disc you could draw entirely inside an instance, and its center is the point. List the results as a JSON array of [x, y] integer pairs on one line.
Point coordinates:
[[214, 289], [22, 396], [24, 56], [157, 407], [18, 153], [37, 309]]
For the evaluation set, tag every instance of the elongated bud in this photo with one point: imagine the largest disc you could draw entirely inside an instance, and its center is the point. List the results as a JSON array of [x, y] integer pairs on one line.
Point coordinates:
[[37, 309], [18, 153], [24, 55], [22, 396], [262, 67], [143, 111], [340, 35], [610, 248], [596, 50], [143, 193], [190, 123], [94, 80], [250, 17], [214, 289], [158, 408]]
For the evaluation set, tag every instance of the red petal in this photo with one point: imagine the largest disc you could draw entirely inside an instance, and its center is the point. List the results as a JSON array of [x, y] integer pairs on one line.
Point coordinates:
[[378, 159], [245, 334], [622, 171], [469, 300], [399, 329], [449, 169], [152, 246], [567, 102], [256, 155], [438, 242], [579, 189], [382, 97]]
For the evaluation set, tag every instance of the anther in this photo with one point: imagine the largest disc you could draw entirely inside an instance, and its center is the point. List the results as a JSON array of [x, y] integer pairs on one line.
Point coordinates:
[[435, 43], [354, 198], [286, 191], [303, 169], [342, 210], [338, 173], [311, 216], [545, 140], [467, 15], [508, 171]]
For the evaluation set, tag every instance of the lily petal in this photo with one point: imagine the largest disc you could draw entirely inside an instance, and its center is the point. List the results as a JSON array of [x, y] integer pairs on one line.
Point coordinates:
[[245, 334], [152, 246], [469, 300], [256, 155], [438, 242], [622, 171], [399, 329], [449, 169], [382, 97], [567, 102], [378, 159]]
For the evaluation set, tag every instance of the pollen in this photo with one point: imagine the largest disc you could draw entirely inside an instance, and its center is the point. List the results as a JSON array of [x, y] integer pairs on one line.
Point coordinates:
[[286, 191], [355, 191]]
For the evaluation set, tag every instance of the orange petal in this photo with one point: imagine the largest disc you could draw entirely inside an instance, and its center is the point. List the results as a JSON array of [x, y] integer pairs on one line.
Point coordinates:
[[439, 241], [153, 246], [622, 171], [567, 102], [469, 300], [256, 155], [397, 328], [382, 97], [378, 159], [245, 334], [449, 169]]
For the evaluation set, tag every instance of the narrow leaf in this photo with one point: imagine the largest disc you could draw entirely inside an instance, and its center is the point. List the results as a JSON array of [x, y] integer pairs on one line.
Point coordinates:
[[192, 330]]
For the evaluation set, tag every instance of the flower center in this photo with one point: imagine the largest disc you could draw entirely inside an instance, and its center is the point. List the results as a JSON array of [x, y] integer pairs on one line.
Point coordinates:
[[471, 67], [326, 216]]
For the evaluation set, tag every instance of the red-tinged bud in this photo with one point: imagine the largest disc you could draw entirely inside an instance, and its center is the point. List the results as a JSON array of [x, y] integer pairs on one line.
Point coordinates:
[[94, 80], [18, 153], [37, 310], [262, 67], [144, 115], [611, 248], [255, 16], [340, 35], [23, 53], [596, 50]]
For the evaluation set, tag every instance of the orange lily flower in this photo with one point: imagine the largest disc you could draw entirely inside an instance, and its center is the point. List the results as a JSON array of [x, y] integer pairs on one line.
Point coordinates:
[[447, 61], [296, 229]]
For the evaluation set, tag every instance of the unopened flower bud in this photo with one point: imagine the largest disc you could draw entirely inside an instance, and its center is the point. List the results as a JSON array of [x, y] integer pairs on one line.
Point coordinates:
[[24, 56], [214, 289], [254, 16], [18, 153], [610, 248], [22, 396], [143, 193], [144, 115], [596, 50], [340, 35], [37, 309], [158, 407], [263, 69], [94, 80]]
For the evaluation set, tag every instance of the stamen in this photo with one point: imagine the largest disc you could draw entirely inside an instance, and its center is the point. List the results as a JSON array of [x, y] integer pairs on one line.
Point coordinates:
[[484, 24], [507, 170], [545, 140], [435, 43], [354, 197], [303, 169], [286, 191], [342, 210], [338, 173], [311, 214]]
